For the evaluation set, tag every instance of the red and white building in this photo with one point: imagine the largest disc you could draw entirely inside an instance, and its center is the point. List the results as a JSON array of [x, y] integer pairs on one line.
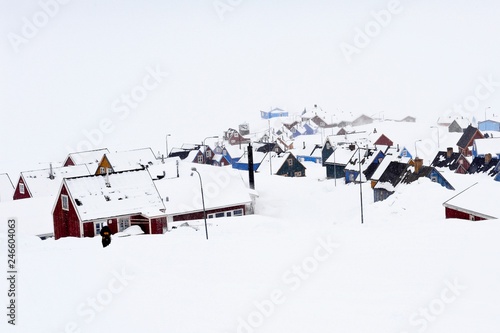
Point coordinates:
[[45, 182], [477, 202], [85, 204]]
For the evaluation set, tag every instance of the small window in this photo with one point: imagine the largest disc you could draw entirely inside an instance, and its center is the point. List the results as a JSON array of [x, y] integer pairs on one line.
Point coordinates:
[[98, 226], [64, 202], [21, 188], [102, 170], [298, 174], [208, 153], [210, 216], [200, 159], [229, 213], [219, 215], [434, 179], [290, 162], [238, 212]]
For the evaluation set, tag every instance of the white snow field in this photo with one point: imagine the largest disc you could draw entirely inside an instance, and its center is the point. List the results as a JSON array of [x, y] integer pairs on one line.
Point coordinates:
[[302, 263]]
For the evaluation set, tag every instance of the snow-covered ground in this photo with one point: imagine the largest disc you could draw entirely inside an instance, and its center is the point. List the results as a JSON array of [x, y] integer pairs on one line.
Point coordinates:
[[302, 263]]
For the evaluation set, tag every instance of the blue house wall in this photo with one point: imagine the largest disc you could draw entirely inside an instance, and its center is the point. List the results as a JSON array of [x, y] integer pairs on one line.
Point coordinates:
[[350, 176], [435, 176], [489, 125], [335, 170]]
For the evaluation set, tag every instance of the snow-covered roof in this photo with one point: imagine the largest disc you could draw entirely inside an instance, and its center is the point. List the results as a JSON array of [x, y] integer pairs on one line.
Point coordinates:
[[274, 164], [34, 215], [6, 187], [385, 163], [131, 159], [168, 169], [479, 199], [131, 192], [485, 146], [39, 183], [341, 156], [88, 157], [222, 187]]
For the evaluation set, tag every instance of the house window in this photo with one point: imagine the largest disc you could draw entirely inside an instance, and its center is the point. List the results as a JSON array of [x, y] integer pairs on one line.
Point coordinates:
[[238, 212], [298, 174], [434, 179], [102, 170], [98, 226], [472, 217], [290, 162], [64, 202], [109, 170], [123, 223], [208, 153], [200, 159], [229, 213], [219, 214], [21, 188], [327, 145]]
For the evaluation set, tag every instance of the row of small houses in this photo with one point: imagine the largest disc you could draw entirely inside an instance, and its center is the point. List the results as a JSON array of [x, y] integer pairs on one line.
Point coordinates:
[[129, 188]]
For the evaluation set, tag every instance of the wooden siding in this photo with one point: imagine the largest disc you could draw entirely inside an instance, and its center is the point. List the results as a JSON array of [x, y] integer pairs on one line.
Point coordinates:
[[17, 193], [456, 214], [199, 215], [66, 223]]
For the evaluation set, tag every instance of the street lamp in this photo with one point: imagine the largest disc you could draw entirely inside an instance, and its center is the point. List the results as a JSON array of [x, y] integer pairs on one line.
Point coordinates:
[[210, 137], [334, 166], [438, 134], [486, 108], [166, 145], [202, 200], [416, 154], [360, 181]]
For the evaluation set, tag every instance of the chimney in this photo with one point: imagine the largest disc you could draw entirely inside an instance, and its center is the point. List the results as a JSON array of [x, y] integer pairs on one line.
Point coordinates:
[[106, 179], [487, 158], [51, 172], [352, 147], [418, 162], [449, 152], [251, 180]]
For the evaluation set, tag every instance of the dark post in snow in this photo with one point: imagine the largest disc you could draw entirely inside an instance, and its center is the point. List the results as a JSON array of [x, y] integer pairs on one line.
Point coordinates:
[[251, 180]]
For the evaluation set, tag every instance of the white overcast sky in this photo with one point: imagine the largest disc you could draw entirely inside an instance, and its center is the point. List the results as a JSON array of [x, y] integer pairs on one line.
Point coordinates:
[[225, 67]]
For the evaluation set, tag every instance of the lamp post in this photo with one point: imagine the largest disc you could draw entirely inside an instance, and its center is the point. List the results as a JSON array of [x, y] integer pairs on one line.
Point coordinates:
[[416, 154], [166, 145], [334, 167], [360, 182], [202, 200], [486, 108], [437, 128]]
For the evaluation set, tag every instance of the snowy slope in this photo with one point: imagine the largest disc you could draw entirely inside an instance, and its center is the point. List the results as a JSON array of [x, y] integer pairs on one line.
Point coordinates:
[[302, 263]]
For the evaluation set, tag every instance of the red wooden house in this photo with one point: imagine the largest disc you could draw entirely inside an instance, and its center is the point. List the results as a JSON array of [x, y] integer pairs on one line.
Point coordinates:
[[466, 141], [235, 138], [45, 182], [85, 204], [477, 202]]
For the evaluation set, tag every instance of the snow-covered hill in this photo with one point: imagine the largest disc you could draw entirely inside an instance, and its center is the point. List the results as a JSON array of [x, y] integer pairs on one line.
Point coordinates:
[[302, 263]]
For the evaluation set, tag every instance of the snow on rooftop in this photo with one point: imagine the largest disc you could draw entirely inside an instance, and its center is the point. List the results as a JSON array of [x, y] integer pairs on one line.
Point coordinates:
[[34, 215], [487, 146], [39, 182], [222, 187], [6, 187], [272, 164], [479, 198], [88, 157], [342, 155], [131, 159], [131, 192]]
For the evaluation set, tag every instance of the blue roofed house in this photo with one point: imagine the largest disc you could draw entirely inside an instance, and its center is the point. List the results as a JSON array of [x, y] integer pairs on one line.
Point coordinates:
[[370, 160]]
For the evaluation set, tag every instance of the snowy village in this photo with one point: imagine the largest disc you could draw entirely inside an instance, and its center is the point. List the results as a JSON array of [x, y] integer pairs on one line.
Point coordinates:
[[77, 196], [229, 166]]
